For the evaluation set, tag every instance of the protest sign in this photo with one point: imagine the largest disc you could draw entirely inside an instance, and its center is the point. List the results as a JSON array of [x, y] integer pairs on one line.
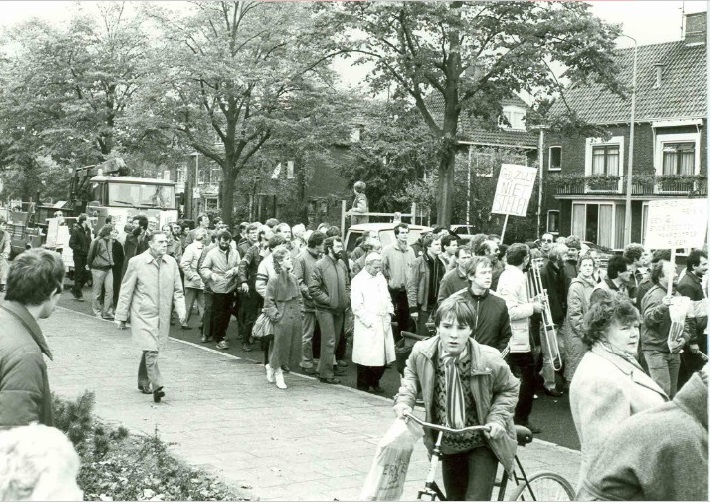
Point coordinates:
[[515, 185], [676, 223]]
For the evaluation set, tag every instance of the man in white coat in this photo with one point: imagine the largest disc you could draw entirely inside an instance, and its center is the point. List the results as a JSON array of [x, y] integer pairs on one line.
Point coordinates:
[[373, 341], [150, 287], [513, 287]]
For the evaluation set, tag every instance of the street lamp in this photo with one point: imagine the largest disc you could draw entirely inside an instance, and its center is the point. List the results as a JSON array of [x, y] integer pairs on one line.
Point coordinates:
[[630, 168]]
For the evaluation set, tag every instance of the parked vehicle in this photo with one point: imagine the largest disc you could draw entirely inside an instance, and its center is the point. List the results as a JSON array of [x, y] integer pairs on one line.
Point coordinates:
[[463, 231], [385, 230]]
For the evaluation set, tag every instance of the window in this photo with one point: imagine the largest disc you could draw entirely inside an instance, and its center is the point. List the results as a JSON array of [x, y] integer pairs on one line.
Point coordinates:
[[678, 154], [483, 164], [679, 158], [553, 221], [121, 194], [515, 116], [604, 158], [554, 159]]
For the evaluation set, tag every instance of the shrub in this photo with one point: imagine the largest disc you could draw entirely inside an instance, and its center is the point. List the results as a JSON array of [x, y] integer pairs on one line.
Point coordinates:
[[119, 466]]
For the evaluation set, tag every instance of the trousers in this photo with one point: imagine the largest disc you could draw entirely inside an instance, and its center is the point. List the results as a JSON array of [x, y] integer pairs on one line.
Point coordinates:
[[469, 476], [102, 279], [221, 312], [523, 367], [331, 328], [663, 368], [401, 312], [79, 274], [193, 296], [148, 370], [309, 326], [369, 376]]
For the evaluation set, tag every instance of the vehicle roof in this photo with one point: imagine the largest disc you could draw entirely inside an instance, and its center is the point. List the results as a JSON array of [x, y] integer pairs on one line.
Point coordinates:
[[133, 180], [384, 226]]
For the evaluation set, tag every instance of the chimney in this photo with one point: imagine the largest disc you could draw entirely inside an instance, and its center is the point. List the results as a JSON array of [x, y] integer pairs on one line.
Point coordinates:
[[659, 73], [695, 24]]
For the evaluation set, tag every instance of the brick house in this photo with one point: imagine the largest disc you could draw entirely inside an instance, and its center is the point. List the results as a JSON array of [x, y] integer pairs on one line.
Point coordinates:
[[586, 178]]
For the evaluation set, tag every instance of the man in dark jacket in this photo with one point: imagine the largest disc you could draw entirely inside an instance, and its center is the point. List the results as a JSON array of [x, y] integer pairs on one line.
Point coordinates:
[[137, 241], [303, 269], [574, 246], [492, 326], [691, 286], [79, 243], [329, 287], [456, 279], [250, 302], [552, 277], [424, 282], [34, 285]]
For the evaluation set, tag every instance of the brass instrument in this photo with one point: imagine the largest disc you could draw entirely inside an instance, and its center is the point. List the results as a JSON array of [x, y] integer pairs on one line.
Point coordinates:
[[548, 327]]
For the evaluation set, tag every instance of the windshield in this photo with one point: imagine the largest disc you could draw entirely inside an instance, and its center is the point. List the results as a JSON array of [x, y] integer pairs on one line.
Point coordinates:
[[122, 194]]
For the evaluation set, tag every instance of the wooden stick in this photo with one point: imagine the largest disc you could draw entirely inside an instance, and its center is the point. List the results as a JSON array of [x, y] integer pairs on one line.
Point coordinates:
[[505, 225], [670, 279]]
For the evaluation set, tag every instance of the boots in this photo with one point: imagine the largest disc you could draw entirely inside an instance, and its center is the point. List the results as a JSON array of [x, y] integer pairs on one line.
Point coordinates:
[[279, 376], [269, 373]]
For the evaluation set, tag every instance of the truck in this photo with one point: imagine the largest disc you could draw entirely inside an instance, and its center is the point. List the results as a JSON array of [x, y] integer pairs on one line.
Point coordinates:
[[99, 191]]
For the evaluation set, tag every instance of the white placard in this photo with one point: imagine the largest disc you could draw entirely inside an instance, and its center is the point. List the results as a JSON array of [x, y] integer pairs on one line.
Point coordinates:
[[676, 223], [515, 185]]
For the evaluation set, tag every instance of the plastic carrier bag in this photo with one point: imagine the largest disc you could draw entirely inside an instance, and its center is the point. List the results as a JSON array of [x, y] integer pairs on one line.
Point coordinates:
[[680, 308], [385, 481]]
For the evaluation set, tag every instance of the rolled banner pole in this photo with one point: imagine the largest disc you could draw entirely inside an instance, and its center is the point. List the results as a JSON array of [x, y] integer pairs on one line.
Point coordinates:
[[505, 225], [670, 280]]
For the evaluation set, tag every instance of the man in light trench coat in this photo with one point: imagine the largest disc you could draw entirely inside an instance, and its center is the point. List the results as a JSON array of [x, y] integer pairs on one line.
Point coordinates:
[[150, 287], [373, 341]]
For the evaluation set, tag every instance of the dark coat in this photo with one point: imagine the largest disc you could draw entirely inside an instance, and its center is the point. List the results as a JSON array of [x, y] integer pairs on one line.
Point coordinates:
[[691, 286], [80, 240], [553, 279], [135, 245], [570, 269], [329, 285], [24, 386], [657, 322], [492, 319]]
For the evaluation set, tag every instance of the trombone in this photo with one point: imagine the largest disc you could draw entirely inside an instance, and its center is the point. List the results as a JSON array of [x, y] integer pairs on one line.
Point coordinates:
[[548, 327]]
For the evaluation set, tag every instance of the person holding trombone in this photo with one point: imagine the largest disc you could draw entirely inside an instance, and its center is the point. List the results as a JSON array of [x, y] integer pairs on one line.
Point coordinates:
[[463, 383]]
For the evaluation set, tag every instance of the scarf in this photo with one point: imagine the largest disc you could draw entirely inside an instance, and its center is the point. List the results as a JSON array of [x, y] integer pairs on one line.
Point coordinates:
[[455, 402]]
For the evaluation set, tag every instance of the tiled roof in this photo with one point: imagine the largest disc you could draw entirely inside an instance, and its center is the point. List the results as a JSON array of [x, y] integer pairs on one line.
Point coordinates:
[[472, 130], [681, 94]]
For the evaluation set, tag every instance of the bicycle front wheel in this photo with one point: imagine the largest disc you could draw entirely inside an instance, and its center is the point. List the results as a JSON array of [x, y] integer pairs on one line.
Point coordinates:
[[544, 486]]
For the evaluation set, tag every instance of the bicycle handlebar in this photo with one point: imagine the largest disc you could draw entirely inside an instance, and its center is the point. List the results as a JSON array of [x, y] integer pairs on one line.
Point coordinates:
[[447, 429]]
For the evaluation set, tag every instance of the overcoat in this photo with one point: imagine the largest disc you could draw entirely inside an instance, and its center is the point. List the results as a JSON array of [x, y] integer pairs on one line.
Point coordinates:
[[373, 341], [148, 291], [188, 263], [606, 390]]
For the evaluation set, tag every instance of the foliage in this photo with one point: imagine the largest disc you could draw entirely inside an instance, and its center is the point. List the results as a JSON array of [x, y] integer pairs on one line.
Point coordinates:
[[118, 466], [394, 151], [470, 56], [227, 77]]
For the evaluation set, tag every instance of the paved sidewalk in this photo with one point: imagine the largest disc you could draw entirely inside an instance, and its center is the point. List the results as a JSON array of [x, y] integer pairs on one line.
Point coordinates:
[[310, 442]]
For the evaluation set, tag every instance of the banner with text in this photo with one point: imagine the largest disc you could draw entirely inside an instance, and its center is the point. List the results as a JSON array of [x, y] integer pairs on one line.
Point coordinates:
[[676, 223], [514, 189]]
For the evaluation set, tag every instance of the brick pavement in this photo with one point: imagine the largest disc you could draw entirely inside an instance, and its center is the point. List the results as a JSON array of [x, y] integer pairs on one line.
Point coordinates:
[[310, 442]]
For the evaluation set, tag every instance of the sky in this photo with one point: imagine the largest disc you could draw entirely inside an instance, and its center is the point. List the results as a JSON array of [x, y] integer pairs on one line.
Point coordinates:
[[648, 22]]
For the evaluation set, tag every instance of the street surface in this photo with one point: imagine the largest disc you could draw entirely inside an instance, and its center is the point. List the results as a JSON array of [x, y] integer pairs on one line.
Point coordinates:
[[310, 442], [551, 414]]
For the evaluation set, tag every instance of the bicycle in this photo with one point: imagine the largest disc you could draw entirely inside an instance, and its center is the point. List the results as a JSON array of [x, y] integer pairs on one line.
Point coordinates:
[[545, 486]]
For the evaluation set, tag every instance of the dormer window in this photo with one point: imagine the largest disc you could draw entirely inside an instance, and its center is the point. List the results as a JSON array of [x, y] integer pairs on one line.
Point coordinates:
[[515, 116]]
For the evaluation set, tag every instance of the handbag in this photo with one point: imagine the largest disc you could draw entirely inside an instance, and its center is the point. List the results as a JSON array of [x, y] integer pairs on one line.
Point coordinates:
[[263, 327]]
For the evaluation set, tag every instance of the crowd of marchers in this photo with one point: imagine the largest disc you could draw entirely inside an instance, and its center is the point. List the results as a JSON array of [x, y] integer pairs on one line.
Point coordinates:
[[300, 296]]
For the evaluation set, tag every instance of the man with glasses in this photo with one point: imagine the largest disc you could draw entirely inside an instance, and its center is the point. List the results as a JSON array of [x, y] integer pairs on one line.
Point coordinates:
[[546, 244]]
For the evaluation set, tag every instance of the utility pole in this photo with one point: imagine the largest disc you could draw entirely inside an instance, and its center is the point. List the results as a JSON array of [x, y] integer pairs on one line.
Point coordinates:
[[630, 168]]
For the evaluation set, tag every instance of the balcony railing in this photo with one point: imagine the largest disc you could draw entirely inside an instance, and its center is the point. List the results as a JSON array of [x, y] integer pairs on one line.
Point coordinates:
[[642, 185]]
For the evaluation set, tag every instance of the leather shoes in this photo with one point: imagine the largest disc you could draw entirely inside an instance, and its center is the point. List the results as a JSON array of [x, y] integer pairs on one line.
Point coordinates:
[[330, 381], [158, 394], [533, 428], [285, 369], [378, 390], [145, 389], [308, 371], [553, 392], [339, 372]]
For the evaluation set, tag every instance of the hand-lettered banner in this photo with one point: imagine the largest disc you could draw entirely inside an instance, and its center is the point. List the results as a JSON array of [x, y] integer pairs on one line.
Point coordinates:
[[515, 185], [676, 223]]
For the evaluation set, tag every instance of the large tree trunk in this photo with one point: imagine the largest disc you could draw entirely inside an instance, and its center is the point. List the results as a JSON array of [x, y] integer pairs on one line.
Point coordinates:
[[445, 190], [227, 196]]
